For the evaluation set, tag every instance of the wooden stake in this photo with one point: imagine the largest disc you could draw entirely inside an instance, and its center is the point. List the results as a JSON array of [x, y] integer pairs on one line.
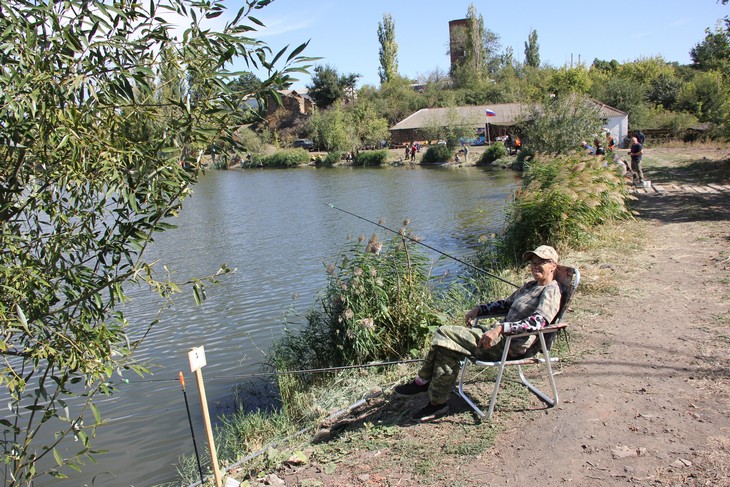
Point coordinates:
[[197, 362], [208, 428]]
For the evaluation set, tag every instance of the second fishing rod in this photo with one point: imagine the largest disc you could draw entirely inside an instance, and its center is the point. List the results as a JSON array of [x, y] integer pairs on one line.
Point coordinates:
[[460, 261]]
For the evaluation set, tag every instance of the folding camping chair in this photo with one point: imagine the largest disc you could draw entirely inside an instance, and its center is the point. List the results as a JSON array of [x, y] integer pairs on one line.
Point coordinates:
[[568, 279]]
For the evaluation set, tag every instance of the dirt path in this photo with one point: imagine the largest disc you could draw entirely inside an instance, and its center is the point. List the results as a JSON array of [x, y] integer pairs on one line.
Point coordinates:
[[648, 402], [645, 399]]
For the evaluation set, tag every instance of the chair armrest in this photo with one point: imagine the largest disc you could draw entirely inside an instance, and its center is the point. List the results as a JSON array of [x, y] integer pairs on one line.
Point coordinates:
[[546, 330], [491, 315]]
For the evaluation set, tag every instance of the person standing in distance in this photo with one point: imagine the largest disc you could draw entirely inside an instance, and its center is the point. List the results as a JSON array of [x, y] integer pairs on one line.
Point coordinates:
[[636, 151]]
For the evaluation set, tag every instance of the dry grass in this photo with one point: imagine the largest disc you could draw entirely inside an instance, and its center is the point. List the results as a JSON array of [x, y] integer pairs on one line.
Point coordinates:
[[602, 262]]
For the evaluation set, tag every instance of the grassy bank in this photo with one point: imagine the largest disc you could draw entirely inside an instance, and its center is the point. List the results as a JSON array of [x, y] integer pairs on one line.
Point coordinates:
[[381, 304]]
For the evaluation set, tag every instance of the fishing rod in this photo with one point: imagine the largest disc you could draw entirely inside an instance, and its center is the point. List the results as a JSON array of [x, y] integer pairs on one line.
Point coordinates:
[[331, 205], [192, 430]]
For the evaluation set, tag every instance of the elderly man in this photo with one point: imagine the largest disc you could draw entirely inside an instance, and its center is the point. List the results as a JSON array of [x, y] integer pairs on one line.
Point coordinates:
[[531, 307]]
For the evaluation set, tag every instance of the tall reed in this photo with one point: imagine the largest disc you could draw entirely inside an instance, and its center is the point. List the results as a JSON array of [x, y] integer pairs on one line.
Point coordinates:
[[378, 305], [561, 201]]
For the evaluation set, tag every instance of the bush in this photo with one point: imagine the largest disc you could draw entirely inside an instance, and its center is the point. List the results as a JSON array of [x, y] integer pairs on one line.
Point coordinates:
[[559, 124], [437, 153], [494, 152], [371, 158], [561, 201], [285, 158], [332, 158], [525, 155], [376, 306]]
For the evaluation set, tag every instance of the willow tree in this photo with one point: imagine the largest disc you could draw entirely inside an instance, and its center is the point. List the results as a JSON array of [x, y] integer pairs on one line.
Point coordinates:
[[388, 70], [97, 121], [560, 123]]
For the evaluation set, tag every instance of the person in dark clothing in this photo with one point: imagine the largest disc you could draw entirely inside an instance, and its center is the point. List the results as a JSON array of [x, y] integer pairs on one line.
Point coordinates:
[[600, 151], [640, 137], [509, 144], [636, 152]]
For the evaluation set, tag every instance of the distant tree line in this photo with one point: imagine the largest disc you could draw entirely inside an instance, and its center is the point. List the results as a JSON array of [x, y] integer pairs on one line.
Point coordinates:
[[656, 94]]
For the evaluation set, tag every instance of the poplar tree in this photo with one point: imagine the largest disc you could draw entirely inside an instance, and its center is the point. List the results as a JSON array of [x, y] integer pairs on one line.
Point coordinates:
[[481, 51], [476, 54], [532, 50], [388, 70]]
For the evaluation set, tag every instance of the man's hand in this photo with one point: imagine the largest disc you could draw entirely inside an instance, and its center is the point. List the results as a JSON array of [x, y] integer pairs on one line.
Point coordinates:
[[490, 338], [471, 315]]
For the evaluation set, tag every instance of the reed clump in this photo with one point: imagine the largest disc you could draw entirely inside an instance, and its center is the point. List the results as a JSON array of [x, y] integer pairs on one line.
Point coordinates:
[[371, 158], [281, 159], [560, 203], [437, 153], [332, 158], [378, 305], [493, 153]]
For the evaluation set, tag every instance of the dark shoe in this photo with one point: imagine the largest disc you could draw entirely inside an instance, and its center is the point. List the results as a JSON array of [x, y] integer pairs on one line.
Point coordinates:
[[431, 412], [411, 389]]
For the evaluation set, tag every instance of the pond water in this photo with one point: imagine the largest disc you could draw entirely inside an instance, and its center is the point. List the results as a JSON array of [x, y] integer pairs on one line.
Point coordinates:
[[276, 228]]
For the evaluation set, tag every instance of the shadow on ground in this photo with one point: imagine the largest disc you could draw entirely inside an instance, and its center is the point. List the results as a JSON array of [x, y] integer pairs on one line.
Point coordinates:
[[700, 171], [683, 207]]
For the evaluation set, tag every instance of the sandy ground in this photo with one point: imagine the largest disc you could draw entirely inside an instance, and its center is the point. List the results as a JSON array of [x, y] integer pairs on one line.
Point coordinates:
[[645, 396], [648, 402]]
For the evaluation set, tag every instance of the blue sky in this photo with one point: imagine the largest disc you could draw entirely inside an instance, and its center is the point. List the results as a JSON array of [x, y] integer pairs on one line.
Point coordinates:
[[344, 32]]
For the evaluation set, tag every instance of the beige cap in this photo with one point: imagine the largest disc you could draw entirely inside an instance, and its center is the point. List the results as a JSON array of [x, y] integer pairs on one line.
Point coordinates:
[[544, 252]]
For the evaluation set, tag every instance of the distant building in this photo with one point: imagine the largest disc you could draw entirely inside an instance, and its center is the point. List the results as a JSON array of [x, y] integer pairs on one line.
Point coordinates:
[[506, 117], [615, 122], [296, 102], [457, 41]]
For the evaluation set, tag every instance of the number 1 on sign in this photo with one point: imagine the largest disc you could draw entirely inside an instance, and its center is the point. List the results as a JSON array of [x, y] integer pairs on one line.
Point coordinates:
[[197, 358]]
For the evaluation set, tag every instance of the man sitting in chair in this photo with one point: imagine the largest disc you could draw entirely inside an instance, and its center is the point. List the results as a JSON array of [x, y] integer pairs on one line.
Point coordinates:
[[530, 308]]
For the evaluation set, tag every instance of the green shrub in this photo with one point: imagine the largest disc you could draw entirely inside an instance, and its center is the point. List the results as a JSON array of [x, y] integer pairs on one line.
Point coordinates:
[[377, 305], [561, 201], [371, 158], [285, 158], [332, 158], [525, 155], [437, 153], [494, 152]]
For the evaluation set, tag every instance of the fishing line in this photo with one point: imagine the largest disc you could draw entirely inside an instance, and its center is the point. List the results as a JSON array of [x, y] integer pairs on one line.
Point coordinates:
[[288, 372], [425, 245]]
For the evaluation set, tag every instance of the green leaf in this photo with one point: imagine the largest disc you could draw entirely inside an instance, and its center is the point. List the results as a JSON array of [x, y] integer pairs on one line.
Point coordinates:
[[256, 21], [57, 457], [95, 410], [296, 51], [22, 319]]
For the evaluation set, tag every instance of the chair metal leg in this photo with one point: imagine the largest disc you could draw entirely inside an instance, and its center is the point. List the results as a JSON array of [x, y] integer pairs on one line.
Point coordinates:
[[547, 360], [460, 390], [498, 380], [544, 397]]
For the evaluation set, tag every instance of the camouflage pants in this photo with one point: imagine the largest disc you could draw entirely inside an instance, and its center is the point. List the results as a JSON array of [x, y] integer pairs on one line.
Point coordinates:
[[451, 344]]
